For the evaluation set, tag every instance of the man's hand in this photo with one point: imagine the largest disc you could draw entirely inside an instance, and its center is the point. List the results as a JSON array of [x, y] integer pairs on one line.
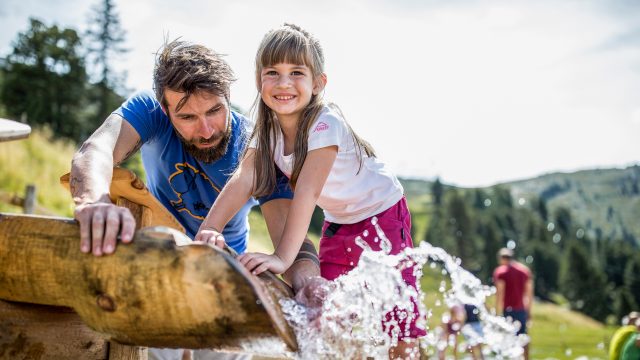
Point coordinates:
[[210, 236], [313, 294], [100, 225], [258, 263]]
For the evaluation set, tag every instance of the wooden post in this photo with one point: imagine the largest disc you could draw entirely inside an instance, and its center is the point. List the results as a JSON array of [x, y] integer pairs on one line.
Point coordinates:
[[29, 199]]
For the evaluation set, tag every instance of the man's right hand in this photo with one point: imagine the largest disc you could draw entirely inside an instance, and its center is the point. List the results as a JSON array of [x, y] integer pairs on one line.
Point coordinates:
[[101, 224]]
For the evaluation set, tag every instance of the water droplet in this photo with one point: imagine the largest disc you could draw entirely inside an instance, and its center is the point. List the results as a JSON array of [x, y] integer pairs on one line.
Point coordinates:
[[551, 226]]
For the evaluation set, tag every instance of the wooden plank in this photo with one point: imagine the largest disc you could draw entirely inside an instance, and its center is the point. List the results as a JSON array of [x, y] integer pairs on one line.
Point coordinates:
[[13, 130], [125, 352], [30, 331], [149, 293]]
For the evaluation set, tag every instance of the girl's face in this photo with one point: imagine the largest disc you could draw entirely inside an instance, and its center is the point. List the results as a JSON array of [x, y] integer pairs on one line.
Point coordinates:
[[287, 89]]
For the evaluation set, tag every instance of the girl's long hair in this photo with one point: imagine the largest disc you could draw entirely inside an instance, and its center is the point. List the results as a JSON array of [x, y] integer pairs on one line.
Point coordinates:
[[293, 45]]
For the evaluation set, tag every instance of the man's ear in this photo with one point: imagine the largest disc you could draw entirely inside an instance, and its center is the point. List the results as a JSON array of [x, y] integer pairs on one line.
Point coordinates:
[[320, 83]]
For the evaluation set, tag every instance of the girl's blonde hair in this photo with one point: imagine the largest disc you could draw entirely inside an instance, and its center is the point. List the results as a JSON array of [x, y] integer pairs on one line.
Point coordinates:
[[293, 45]]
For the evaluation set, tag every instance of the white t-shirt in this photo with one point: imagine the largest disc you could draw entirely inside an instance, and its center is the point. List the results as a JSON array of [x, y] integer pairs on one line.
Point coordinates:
[[348, 196]]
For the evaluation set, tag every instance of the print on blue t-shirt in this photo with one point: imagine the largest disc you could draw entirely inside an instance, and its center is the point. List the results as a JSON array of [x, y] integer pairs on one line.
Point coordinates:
[[184, 185]]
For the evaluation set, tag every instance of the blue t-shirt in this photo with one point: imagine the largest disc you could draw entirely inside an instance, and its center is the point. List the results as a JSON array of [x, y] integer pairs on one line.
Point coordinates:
[[184, 185]]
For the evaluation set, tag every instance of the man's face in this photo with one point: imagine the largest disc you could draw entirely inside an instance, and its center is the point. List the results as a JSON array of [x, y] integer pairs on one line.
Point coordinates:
[[202, 123]]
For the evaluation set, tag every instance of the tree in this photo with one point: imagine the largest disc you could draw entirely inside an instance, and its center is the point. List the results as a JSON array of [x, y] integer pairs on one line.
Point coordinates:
[[436, 191], [460, 227], [632, 278], [45, 79], [583, 284], [105, 37], [545, 267]]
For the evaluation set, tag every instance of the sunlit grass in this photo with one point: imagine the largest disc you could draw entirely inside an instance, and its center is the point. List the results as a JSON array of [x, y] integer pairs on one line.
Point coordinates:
[[41, 161]]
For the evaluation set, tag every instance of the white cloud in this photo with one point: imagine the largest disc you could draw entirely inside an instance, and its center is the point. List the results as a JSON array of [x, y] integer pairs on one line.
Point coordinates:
[[472, 92]]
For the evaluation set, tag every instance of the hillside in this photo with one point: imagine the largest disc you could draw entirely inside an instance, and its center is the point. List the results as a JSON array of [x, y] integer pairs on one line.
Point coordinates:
[[605, 201]]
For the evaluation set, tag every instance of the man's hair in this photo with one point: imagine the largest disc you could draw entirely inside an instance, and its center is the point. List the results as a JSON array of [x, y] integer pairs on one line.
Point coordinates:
[[189, 68]]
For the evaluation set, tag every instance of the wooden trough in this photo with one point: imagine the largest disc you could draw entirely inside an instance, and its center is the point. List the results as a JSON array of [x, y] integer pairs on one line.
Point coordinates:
[[160, 291]]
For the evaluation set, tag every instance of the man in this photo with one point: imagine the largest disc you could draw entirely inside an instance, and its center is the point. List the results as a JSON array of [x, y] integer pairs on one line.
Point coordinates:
[[514, 291], [191, 143]]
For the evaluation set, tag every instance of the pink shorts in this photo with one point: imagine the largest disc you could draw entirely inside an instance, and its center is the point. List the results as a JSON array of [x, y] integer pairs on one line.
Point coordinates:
[[339, 253]]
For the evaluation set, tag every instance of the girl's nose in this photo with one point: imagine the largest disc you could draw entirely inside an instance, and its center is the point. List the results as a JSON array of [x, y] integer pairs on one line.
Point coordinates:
[[284, 81]]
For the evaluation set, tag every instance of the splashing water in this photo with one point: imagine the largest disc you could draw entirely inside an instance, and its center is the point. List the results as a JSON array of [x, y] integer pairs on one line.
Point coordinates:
[[351, 320]]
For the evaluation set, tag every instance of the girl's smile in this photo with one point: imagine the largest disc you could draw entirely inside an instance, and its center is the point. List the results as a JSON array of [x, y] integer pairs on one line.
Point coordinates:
[[287, 89]]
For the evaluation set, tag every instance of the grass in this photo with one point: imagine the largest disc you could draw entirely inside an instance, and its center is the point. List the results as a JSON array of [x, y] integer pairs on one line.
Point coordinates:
[[41, 161]]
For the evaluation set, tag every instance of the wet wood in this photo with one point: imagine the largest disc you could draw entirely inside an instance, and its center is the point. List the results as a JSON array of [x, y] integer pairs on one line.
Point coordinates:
[[149, 293]]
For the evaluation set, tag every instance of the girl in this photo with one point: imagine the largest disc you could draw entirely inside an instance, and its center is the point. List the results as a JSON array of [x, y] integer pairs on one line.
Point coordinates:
[[327, 164]]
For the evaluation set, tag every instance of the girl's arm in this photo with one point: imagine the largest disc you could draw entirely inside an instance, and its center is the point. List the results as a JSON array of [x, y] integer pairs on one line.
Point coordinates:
[[313, 175], [234, 195]]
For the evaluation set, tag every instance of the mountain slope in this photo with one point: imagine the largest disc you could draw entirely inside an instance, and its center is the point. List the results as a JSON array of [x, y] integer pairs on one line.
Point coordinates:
[[605, 201]]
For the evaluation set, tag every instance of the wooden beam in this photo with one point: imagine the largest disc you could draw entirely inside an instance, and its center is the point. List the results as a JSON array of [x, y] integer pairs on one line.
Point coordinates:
[[30, 331], [149, 293]]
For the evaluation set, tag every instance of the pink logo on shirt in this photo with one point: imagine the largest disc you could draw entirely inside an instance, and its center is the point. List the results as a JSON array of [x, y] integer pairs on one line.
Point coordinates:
[[321, 127]]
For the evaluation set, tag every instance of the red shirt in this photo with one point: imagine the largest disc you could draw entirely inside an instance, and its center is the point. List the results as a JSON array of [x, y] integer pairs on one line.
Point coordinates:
[[515, 277]]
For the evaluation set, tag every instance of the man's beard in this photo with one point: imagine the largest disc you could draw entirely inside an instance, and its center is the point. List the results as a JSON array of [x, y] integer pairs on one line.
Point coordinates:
[[211, 154]]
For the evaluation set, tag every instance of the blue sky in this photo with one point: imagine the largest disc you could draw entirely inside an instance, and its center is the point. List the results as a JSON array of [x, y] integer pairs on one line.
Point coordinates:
[[476, 92]]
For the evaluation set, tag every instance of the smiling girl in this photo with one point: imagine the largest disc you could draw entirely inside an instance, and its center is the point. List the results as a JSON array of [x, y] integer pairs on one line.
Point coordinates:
[[327, 164]]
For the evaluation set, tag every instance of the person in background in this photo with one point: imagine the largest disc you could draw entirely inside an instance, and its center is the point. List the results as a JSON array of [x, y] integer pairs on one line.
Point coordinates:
[[620, 337], [514, 291]]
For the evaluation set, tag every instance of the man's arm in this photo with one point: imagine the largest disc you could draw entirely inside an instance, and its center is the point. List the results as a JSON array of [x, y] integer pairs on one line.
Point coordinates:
[[306, 265], [91, 171], [500, 285]]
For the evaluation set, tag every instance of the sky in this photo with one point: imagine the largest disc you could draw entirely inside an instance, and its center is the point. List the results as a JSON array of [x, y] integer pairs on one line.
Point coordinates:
[[473, 92]]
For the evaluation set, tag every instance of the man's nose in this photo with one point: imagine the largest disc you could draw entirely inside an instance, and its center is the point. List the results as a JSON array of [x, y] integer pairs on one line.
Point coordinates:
[[205, 128]]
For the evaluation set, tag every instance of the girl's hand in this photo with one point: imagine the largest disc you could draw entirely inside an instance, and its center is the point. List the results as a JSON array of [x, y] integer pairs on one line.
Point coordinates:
[[257, 263], [210, 236]]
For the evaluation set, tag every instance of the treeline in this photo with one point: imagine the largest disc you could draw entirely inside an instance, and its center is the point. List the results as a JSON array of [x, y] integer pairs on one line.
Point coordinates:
[[598, 277], [64, 80]]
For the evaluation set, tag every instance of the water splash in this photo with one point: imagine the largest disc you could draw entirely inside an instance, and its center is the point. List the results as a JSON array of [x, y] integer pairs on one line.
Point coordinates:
[[350, 322]]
